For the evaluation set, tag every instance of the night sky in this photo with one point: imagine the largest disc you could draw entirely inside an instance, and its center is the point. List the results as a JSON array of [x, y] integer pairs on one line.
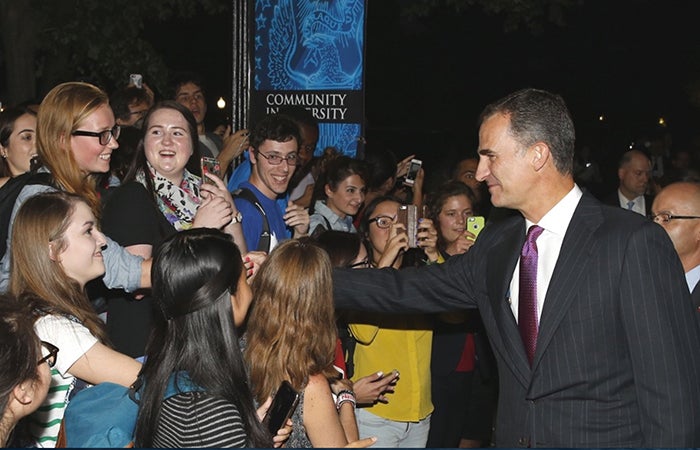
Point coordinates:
[[427, 79]]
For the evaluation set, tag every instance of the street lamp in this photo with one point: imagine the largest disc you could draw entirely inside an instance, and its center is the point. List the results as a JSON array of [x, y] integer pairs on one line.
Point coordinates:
[[221, 103]]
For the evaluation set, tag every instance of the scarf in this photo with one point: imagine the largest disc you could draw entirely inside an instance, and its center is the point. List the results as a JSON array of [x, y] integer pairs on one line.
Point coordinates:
[[177, 203]]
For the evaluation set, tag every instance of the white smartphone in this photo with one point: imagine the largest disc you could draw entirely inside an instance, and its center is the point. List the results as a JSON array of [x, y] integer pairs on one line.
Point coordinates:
[[412, 173]]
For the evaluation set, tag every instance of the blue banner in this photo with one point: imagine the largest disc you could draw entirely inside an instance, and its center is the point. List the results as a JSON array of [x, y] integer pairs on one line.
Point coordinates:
[[311, 53]]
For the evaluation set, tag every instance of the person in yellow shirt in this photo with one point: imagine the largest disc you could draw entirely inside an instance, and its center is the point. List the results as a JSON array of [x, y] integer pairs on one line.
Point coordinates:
[[398, 342]]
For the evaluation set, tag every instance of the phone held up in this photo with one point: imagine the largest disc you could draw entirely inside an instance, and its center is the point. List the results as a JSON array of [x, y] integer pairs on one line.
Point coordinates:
[[212, 166], [412, 173], [475, 224], [136, 79], [408, 215], [282, 407]]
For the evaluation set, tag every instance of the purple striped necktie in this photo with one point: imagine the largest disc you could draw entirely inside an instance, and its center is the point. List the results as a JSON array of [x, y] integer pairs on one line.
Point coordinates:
[[527, 301]]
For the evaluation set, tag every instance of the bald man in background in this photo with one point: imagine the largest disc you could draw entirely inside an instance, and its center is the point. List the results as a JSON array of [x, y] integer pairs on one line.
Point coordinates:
[[677, 209]]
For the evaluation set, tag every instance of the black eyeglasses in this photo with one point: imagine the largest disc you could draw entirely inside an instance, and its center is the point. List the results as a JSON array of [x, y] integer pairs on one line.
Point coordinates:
[[276, 160], [105, 136], [49, 359], [382, 221], [665, 217]]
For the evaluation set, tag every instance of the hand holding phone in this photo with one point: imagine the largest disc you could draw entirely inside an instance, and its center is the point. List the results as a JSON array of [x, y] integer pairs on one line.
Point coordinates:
[[408, 216], [282, 408], [212, 166], [136, 79]]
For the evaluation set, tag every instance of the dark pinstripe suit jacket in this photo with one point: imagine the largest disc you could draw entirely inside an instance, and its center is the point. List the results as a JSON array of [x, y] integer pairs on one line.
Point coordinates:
[[617, 354]]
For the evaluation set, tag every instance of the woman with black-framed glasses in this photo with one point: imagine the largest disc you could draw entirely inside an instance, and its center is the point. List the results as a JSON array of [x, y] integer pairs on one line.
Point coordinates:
[[76, 134], [398, 342], [24, 372]]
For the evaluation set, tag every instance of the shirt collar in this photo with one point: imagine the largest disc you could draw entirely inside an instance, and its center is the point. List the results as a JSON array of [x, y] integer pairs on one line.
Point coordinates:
[[557, 219], [692, 277]]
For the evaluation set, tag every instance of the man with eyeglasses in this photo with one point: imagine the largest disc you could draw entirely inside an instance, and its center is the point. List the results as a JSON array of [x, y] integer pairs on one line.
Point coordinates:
[[677, 209], [274, 155]]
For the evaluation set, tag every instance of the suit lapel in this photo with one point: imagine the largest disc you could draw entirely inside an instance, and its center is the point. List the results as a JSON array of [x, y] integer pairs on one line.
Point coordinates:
[[501, 264], [575, 251]]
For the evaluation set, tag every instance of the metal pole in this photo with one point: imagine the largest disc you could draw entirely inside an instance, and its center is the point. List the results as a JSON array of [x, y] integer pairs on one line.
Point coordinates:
[[241, 63]]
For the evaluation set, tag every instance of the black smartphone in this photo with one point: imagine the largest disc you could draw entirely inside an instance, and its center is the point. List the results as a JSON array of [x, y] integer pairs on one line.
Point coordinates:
[[282, 408], [212, 166]]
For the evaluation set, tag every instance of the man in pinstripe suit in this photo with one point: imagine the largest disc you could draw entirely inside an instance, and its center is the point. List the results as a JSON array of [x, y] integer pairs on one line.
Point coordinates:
[[616, 361]]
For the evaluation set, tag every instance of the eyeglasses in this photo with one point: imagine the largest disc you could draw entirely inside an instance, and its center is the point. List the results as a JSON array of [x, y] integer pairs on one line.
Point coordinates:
[[665, 217], [382, 221], [49, 359], [363, 264], [276, 160], [105, 136]]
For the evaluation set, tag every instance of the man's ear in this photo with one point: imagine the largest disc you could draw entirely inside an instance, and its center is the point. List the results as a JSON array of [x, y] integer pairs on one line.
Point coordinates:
[[252, 156], [540, 154]]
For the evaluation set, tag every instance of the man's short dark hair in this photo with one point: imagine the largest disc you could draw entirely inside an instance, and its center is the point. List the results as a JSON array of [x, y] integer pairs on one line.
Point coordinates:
[[120, 100], [181, 78], [539, 116], [274, 127]]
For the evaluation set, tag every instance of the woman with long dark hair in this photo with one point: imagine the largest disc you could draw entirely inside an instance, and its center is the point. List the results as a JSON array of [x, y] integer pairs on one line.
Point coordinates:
[[200, 289]]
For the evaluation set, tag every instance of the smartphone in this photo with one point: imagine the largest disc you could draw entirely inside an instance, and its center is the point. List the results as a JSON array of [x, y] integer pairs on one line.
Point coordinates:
[[282, 408], [475, 224], [412, 173], [408, 216], [212, 166], [136, 79]]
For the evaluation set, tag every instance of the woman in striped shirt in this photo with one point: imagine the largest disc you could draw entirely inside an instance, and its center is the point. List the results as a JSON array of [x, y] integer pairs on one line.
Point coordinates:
[[200, 287]]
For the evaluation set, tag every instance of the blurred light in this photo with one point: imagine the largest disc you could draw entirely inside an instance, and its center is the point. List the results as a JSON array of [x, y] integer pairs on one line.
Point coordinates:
[[221, 103], [601, 117], [662, 121]]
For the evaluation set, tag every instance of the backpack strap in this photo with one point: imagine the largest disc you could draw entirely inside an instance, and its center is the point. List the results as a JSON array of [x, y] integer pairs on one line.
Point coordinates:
[[178, 383], [247, 195], [328, 224]]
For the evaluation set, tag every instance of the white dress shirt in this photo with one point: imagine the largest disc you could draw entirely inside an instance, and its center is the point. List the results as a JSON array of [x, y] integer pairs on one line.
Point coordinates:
[[639, 206], [555, 224], [692, 277]]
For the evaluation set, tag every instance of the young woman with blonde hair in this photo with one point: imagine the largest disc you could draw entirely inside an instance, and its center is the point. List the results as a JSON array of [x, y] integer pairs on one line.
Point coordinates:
[[291, 336], [76, 134]]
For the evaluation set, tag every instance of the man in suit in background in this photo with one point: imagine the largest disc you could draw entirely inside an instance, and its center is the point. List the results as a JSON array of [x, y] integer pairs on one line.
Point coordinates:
[[592, 328], [634, 172], [677, 209]]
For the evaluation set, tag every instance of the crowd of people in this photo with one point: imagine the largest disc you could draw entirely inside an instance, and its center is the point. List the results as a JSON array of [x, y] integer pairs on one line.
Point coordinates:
[[567, 322]]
